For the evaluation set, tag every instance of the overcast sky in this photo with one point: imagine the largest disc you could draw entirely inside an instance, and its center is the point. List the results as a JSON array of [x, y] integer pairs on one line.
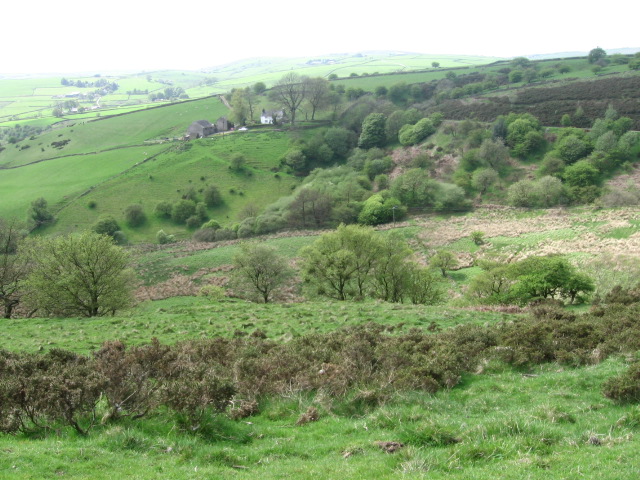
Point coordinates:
[[44, 36]]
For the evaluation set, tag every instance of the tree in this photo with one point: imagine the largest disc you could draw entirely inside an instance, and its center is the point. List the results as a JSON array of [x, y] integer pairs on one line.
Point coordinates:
[[391, 273], [547, 277], [239, 107], [78, 275], [317, 94], [134, 215], [572, 148], [494, 153], [182, 210], [238, 162], [309, 207], [483, 178], [379, 209], [329, 264], [290, 91], [443, 260], [581, 174], [13, 267], [435, 64], [259, 88], [212, 196], [259, 270], [106, 225], [373, 131], [596, 54], [39, 213]]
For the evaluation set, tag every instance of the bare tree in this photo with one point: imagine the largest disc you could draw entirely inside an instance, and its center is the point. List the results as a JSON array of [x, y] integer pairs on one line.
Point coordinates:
[[290, 91], [317, 94]]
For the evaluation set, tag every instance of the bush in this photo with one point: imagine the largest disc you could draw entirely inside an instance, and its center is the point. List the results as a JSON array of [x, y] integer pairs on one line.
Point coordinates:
[[193, 222], [477, 237], [214, 293], [163, 209], [212, 224], [182, 210], [134, 215], [212, 196], [163, 237], [120, 238], [624, 387], [106, 226], [238, 162]]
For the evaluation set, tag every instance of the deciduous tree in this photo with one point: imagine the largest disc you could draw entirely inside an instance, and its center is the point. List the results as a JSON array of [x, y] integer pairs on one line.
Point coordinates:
[[259, 271], [78, 275], [290, 91], [13, 267]]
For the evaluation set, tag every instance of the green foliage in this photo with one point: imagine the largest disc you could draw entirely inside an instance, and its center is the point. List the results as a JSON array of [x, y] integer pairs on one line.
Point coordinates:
[[477, 237], [182, 210], [443, 260], [373, 131], [212, 196], [379, 209], [581, 174], [106, 225], [163, 238], [377, 166], [163, 209], [572, 148], [353, 262], [134, 215], [412, 134], [596, 54], [624, 387], [259, 272], [84, 275], [39, 213], [534, 278]]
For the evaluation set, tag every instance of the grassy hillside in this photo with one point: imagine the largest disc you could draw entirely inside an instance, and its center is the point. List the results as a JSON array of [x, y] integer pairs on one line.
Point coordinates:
[[126, 159], [175, 170]]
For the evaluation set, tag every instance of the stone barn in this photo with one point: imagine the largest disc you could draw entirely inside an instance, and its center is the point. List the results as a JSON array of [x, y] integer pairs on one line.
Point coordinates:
[[201, 128]]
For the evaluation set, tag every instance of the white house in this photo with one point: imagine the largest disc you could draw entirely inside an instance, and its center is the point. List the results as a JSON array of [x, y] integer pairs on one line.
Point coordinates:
[[269, 117]]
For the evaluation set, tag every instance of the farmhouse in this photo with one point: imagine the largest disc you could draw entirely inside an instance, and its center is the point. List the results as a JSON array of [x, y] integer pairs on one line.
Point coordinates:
[[204, 128], [269, 117]]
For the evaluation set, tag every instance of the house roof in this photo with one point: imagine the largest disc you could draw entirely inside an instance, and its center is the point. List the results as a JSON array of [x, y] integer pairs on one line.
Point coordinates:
[[204, 123]]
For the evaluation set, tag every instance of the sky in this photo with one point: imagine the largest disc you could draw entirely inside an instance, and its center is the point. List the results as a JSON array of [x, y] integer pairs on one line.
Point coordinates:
[[44, 36]]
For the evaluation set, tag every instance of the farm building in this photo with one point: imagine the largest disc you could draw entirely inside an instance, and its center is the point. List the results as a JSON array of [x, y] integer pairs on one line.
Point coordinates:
[[204, 128]]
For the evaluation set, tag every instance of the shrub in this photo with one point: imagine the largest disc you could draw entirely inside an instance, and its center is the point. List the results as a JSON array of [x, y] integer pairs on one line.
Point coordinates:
[[182, 210], [477, 237], [193, 222], [163, 237], [134, 215], [238, 162], [106, 226], [163, 209], [212, 224], [120, 238], [624, 387], [201, 212], [212, 196], [214, 293]]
